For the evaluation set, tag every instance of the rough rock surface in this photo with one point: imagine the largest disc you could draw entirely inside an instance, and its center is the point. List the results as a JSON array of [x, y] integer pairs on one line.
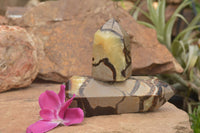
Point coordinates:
[[65, 33], [18, 58], [3, 20], [10, 3], [20, 108]]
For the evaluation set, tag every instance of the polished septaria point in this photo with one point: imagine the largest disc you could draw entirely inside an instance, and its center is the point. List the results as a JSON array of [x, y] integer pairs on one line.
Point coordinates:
[[136, 94], [111, 53]]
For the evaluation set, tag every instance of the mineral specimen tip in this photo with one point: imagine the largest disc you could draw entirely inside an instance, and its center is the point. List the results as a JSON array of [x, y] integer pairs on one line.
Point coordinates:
[[111, 53]]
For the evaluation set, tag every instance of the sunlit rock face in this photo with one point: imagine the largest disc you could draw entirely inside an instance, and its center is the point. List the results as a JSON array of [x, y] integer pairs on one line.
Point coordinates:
[[111, 53]]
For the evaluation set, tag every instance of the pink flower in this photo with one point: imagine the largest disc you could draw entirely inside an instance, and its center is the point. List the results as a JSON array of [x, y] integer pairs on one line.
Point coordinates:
[[55, 111]]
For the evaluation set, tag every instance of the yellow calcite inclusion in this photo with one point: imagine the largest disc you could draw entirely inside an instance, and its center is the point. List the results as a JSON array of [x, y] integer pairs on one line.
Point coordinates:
[[77, 81], [148, 103], [108, 45]]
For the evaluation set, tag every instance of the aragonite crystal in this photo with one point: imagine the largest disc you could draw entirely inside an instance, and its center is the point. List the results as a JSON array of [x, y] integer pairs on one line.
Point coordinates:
[[136, 94], [111, 53]]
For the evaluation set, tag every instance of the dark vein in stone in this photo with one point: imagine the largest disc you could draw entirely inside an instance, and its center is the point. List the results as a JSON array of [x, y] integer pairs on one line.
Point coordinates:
[[82, 87], [113, 23], [116, 33], [127, 59], [141, 103], [108, 64], [135, 88], [154, 103], [116, 106]]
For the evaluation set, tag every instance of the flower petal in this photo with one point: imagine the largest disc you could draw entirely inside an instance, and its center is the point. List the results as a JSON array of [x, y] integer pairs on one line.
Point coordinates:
[[65, 106], [61, 94], [49, 100], [41, 127], [47, 114], [73, 116]]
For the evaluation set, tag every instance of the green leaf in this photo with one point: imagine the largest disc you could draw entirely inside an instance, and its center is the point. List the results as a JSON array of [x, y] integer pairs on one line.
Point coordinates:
[[191, 75], [177, 48], [195, 119], [168, 32], [186, 30], [134, 8], [194, 22], [144, 13], [152, 12], [192, 57], [170, 23], [184, 52], [161, 17], [146, 24], [162, 14], [181, 6], [136, 13], [182, 17], [196, 79]]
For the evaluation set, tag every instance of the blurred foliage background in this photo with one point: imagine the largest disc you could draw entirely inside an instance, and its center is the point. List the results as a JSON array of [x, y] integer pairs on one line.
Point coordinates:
[[184, 46]]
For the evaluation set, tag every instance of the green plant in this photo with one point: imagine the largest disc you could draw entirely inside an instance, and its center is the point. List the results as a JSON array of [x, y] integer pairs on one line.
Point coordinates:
[[195, 119], [183, 47], [196, 6]]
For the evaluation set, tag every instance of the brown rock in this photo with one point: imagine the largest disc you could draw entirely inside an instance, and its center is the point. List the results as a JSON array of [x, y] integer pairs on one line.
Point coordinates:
[[44, 12], [9, 3], [14, 14], [147, 52], [170, 9], [66, 33], [61, 58], [32, 3], [22, 110], [3, 20], [143, 5], [18, 58], [126, 5]]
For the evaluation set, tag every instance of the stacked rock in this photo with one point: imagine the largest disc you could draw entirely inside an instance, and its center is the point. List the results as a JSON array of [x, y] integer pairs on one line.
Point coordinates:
[[112, 89], [111, 53]]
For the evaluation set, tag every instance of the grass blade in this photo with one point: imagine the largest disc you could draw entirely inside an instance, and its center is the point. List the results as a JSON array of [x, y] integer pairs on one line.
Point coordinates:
[[146, 24], [161, 12], [186, 30], [152, 12], [192, 57]]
